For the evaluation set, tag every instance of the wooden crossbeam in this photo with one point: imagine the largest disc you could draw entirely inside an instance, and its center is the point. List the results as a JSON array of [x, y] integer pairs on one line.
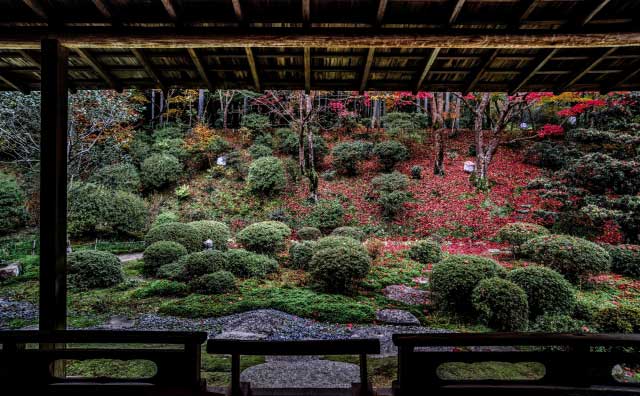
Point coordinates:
[[427, 67], [146, 64], [382, 9], [624, 76], [455, 10], [594, 7], [476, 75], [237, 9], [13, 84], [253, 68], [28, 57], [535, 68], [307, 69], [367, 69], [525, 9], [103, 8], [170, 9], [97, 68], [37, 7], [591, 65], [306, 11], [195, 58]]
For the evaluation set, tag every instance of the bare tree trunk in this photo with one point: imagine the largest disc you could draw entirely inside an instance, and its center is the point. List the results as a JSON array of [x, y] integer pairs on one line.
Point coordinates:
[[200, 104], [153, 106], [482, 160], [312, 174], [437, 111], [161, 107]]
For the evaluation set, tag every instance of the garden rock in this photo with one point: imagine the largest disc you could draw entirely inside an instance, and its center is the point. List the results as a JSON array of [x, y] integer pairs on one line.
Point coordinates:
[[302, 374], [397, 317], [239, 335], [406, 294], [469, 166], [10, 271]]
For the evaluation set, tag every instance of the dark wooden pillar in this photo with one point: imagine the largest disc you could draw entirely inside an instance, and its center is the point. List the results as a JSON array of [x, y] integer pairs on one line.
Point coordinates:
[[53, 187]]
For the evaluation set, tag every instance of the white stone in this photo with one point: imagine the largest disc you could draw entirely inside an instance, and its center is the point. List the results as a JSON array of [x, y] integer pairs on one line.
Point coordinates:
[[221, 161], [10, 271], [469, 166]]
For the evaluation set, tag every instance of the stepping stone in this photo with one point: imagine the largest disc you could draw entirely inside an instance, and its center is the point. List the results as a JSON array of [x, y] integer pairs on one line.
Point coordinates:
[[302, 374], [406, 294], [397, 317], [240, 335], [119, 322]]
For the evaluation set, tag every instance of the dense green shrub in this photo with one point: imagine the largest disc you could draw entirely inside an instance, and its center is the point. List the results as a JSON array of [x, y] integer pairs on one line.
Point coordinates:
[[557, 323], [266, 176], [244, 263], [264, 140], [326, 215], [392, 203], [518, 233], [264, 237], [160, 170], [454, 278], [575, 258], [12, 200], [289, 145], [216, 231], [309, 233], [338, 269], [125, 214], [92, 269], [300, 254], [197, 264], [389, 153], [183, 234], [171, 271], [162, 288], [501, 304], [257, 124], [598, 172], [123, 176], [173, 147], [331, 242], [218, 146], [219, 282], [390, 182], [549, 154], [416, 172], [625, 259], [404, 125], [160, 253], [164, 218], [258, 151], [619, 319], [425, 251], [547, 291], [351, 232], [346, 157], [168, 132]]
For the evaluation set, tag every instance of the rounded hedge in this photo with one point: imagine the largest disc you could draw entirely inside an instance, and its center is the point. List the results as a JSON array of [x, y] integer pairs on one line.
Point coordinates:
[[326, 215], [216, 231], [164, 218], [425, 251], [92, 269], [12, 200], [575, 258], [390, 182], [289, 145], [259, 150], [162, 288], [620, 319], [331, 242], [309, 233], [183, 234], [197, 264], [625, 260], [547, 291], [264, 237], [160, 253], [244, 263], [389, 153], [219, 282], [454, 278], [160, 170], [123, 176], [501, 304], [351, 232], [266, 176], [338, 269], [557, 323], [346, 157], [515, 234], [300, 254], [172, 271]]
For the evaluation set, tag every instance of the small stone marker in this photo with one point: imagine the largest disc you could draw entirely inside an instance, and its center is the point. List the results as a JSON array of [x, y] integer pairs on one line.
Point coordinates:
[[469, 166], [208, 244]]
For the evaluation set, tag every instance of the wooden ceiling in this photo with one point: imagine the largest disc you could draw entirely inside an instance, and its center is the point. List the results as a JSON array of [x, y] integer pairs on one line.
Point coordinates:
[[410, 45]]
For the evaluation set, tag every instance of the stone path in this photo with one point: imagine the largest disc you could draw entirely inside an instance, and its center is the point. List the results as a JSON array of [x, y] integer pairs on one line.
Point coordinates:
[[130, 257], [302, 374]]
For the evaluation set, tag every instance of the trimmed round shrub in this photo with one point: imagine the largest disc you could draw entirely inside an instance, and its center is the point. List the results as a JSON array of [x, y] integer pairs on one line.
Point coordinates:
[[454, 278], [162, 288], [123, 176], [557, 323], [547, 291], [266, 176], [244, 263], [201, 263], [216, 231], [346, 157], [338, 269], [389, 153], [309, 233], [171, 271], [160, 253], [351, 232], [599, 172], [164, 218], [620, 319], [259, 150], [416, 172], [12, 209], [289, 145], [160, 170], [126, 214], [501, 304], [331, 242], [174, 147], [264, 237], [93, 269], [625, 260], [515, 234], [257, 124], [390, 182], [575, 258], [300, 254], [425, 251], [326, 215], [183, 234], [219, 282], [392, 203]]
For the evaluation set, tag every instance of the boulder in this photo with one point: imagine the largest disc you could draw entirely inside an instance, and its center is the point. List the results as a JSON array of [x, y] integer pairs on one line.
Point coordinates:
[[10, 271], [469, 166], [406, 294], [397, 317]]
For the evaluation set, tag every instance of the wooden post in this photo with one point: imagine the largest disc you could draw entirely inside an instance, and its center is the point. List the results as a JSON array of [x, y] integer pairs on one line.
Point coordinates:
[[235, 375], [364, 376], [53, 187]]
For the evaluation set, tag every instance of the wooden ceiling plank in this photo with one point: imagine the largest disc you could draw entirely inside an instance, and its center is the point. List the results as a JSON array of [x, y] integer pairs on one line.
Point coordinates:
[[195, 58], [28, 57], [537, 66], [253, 68], [588, 68], [37, 7], [237, 9], [170, 9], [98, 69], [103, 8], [427, 67], [13, 84], [367, 69], [146, 65], [595, 8], [455, 11], [307, 69], [306, 11], [477, 74], [528, 6], [382, 10]]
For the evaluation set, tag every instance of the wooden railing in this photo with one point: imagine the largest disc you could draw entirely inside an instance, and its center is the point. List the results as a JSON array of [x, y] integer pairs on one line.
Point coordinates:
[[361, 347], [573, 364]]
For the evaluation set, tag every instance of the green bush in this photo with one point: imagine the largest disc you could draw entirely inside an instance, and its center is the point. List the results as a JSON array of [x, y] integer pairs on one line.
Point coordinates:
[[625, 260], [326, 215], [289, 145], [264, 237], [390, 182], [168, 132], [389, 153], [346, 157], [216, 231], [501, 304], [339, 269], [12, 208], [264, 140], [454, 278], [197, 264], [183, 234], [164, 218], [123, 176], [549, 154], [620, 319], [266, 176], [332, 242], [547, 291], [598, 172], [309, 233], [392, 203], [162, 288], [416, 172], [219, 282], [173, 147], [171, 271], [218, 146], [425, 251], [557, 323], [575, 258], [93, 269], [300, 254], [258, 151], [515, 234], [126, 214], [257, 124], [160, 170], [160, 253], [244, 263], [351, 232]]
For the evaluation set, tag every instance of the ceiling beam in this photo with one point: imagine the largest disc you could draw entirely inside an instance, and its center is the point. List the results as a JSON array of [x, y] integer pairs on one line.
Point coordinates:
[[253, 68], [625, 75], [382, 9], [27, 56], [146, 64], [455, 10], [477, 73], [367, 69], [538, 64], [427, 67], [98, 69], [237, 9], [306, 11], [593, 8], [37, 7], [170, 9], [103, 8], [13, 84], [195, 58], [307, 69], [590, 65]]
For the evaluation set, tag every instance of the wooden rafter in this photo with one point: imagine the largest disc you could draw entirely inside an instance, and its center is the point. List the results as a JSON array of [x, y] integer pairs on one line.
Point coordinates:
[[477, 74], [624, 76], [146, 64], [103, 8], [170, 9], [367, 69], [382, 9], [427, 67], [237, 9], [306, 11], [538, 64], [28, 57], [195, 58], [12, 83], [525, 10], [98, 69], [253, 68], [590, 66], [37, 7], [455, 10], [594, 7], [307, 69]]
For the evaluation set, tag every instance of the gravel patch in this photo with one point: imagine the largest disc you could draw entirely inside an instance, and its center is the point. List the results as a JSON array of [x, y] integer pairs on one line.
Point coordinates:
[[10, 310], [302, 374]]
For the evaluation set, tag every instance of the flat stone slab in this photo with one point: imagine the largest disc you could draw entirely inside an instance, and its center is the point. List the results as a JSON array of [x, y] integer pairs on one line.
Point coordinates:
[[240, 335], [406, 294], [302, 374], [397, 317]]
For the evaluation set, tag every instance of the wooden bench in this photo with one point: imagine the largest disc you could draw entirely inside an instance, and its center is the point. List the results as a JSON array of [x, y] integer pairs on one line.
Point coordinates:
[[237, 348], [30, 370], [574, 364]]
